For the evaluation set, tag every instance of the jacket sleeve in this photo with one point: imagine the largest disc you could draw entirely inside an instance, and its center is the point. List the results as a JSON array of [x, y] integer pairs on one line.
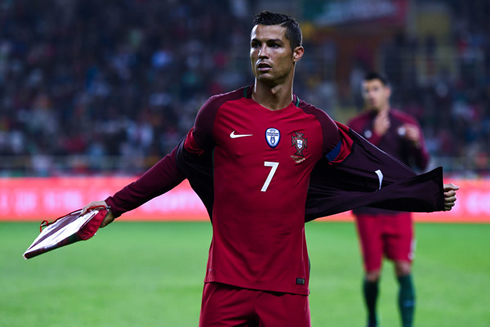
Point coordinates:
[[368, 176], [161, 178]]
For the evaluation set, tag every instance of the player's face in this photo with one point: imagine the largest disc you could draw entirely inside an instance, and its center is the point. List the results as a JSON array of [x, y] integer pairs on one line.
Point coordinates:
[[271, 54], [376, 95]]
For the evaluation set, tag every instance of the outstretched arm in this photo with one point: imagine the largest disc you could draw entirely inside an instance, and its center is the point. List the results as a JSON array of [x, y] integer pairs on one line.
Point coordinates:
[[355, 183], [162, 177], [449, 196]]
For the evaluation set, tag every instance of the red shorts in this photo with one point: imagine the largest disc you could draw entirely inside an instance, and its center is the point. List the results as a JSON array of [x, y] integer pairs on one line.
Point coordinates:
[[225, 305], [390, 235]]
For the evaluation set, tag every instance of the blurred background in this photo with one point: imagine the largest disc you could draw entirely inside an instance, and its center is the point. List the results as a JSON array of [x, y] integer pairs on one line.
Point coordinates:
[[91, 87]]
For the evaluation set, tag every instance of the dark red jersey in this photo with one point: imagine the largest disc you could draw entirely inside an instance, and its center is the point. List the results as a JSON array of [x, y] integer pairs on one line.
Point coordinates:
[[393, 141]]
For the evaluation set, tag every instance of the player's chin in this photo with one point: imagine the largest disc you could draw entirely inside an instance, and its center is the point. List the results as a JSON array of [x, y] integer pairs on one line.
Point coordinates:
[[265, 77], [262, 75]]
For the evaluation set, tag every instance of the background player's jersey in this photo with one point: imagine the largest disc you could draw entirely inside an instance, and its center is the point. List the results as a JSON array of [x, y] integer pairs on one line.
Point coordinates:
[[393, 141], [262, 160]]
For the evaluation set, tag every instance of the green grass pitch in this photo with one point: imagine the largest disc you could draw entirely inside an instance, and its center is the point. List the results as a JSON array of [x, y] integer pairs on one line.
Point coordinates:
[[151, 274]]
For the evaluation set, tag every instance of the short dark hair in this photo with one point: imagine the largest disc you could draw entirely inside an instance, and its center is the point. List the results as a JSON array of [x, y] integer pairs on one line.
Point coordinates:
[[374, 75], [293, 31]]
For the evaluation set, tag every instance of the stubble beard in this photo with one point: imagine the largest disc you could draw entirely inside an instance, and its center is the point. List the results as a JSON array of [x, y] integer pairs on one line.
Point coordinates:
[[270, 80]]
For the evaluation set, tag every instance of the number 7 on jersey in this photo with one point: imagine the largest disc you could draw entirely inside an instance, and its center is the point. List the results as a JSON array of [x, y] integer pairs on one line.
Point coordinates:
[[273, 166]]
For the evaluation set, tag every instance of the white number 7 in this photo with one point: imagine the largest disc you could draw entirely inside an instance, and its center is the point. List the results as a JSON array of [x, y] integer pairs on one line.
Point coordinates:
[[271, 173]]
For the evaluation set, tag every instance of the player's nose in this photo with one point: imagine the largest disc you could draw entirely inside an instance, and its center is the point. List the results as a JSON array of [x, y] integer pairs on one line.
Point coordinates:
[[263, 53]]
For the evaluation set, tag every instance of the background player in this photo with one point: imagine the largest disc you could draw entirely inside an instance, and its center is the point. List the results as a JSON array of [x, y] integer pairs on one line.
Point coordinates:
[[381, 231]]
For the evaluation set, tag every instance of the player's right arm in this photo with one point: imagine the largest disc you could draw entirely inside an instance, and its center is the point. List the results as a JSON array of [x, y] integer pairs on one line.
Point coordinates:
[[200, 137], [160, 178], [165, 174]]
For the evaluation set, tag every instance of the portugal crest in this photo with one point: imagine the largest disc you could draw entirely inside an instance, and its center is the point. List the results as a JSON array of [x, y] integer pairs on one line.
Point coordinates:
[[299, 142], [272, 136]]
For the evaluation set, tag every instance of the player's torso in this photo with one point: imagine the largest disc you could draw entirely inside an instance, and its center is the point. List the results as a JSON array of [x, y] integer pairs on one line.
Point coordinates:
[[262, 162], [392, 141], [264, 156]]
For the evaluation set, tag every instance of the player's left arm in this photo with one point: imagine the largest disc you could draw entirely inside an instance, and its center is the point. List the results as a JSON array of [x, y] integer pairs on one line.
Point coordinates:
[[412, 132]]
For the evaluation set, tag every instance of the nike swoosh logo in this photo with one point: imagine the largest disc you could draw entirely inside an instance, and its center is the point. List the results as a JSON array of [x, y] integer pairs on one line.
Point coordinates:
[[380, 178], [235, 136]]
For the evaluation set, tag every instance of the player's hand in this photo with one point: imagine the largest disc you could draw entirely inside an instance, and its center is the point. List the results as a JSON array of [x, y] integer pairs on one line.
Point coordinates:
[[109, 218], [412, 133], [449, 195], [381, 123]]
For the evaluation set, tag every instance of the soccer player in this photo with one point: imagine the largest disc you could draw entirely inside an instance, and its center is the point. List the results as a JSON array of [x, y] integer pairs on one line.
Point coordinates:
[[249, 157], [382, 232]]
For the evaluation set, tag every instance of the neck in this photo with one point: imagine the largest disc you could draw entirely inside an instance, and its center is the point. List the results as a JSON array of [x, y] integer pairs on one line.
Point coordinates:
[[383, 110], [274, 97]]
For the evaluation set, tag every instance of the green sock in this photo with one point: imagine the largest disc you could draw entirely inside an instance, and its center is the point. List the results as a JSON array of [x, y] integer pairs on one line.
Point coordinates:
[[370, 291], [406, 300]]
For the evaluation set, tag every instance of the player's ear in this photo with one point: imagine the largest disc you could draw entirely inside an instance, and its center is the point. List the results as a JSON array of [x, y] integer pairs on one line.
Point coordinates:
[[298, 53], [388, 91]]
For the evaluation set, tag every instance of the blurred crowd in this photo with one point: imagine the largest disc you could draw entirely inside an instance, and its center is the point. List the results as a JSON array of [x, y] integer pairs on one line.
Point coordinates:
[[447, 87], [122, 80], [117, 78]]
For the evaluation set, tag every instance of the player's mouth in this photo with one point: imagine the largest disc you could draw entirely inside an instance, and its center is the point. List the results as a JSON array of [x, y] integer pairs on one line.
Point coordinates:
[[263, 67]]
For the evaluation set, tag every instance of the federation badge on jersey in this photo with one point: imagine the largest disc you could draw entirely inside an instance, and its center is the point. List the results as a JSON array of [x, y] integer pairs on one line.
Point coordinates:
[[299, 142], [272, 136]]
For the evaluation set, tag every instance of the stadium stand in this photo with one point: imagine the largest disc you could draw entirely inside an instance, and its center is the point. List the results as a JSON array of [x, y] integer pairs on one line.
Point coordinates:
[[109, 87]]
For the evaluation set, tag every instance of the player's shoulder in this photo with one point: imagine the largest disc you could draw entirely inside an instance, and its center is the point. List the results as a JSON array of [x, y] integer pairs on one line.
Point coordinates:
[[310, 109], [329, 127], [360, 117], [208, 111], [403, 116], [218, 100], [363, 114]]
